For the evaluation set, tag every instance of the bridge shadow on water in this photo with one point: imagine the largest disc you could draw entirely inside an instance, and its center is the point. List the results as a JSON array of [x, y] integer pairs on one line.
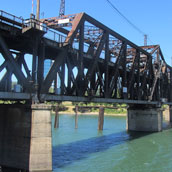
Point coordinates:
[[66, 154]]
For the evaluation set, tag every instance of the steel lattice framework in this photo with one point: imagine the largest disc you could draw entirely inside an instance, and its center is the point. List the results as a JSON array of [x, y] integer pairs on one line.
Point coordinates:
[[62, 8], [90, 61]]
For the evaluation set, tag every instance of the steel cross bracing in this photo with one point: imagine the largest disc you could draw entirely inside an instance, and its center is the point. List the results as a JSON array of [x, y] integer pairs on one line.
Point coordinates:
[[90, 62]]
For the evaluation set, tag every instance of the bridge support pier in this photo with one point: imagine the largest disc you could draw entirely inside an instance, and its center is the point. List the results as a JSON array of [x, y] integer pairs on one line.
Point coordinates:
[[25, 138], [170, 114], [143, 118]]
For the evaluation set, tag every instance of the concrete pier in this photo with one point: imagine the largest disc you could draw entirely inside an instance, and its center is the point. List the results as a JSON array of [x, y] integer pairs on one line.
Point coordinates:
[[148, 119], [25, 137]]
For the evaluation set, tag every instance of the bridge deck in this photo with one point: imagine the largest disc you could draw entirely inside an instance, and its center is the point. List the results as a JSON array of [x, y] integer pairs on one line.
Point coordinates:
[[26, 96]]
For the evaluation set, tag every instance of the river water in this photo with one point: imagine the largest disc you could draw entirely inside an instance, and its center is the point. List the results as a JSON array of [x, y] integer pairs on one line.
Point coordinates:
[[113, 150]]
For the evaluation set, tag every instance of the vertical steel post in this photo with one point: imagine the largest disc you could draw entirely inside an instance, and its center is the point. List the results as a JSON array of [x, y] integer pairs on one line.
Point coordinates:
[[55, 84], [63, 76], [80, 60], [107, 59], [40, 73], [124, 77], [69, 79], [34, 60], [138, 78], [38, 10]]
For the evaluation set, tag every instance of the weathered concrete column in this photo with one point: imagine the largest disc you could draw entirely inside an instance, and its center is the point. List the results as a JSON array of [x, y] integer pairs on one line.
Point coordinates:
[[170, 114], [144, 119], [25, 137], [41, 139]]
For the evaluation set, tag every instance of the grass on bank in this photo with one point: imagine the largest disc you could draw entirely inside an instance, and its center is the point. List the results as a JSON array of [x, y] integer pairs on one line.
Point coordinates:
[[69, 107]]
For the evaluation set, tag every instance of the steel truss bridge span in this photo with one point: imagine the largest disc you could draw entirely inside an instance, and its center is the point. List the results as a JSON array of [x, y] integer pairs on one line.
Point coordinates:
[[89, 62]]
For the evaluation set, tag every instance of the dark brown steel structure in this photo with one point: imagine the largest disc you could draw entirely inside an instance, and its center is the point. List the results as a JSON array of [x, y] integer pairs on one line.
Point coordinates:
[[90, 62]]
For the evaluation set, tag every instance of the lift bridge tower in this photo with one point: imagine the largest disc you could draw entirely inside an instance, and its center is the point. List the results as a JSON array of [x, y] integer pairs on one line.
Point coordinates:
[[62, 8]]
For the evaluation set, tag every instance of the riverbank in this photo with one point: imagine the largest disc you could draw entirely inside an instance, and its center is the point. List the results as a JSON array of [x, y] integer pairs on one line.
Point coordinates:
[[69, 108], [91, 109]]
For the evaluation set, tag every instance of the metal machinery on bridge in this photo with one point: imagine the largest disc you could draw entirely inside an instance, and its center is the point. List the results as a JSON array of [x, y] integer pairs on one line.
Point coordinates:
[[93, 62]]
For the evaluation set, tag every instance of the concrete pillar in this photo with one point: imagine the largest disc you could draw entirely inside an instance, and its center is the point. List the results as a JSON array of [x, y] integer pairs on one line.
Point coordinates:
[[25, 137], [144, 119], [166, 114]]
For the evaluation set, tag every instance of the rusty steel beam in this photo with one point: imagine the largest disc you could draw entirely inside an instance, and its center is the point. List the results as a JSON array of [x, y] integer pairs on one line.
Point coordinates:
[[76, 23]]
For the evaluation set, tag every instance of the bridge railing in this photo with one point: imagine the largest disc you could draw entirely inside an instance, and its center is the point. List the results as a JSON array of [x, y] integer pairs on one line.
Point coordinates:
[[23, 23], [11, 19], [52, 35], [49, 33]]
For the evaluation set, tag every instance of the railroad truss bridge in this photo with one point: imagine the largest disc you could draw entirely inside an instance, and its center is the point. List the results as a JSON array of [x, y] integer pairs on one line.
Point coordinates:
[[89, 62]]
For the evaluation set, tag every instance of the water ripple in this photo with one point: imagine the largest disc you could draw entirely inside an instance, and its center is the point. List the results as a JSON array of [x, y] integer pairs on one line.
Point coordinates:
[[68, 153]]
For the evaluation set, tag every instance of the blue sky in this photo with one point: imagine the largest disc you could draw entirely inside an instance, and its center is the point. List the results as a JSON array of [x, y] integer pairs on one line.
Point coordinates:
[[153, 17]]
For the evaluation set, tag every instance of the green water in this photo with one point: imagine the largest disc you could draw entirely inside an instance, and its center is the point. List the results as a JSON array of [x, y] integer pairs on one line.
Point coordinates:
[[113, 150]]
